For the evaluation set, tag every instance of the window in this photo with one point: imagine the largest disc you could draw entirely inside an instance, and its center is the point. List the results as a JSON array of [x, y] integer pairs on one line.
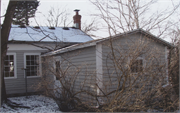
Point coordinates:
[[137, 66], [32, 64], [10, 65], [57, 70]]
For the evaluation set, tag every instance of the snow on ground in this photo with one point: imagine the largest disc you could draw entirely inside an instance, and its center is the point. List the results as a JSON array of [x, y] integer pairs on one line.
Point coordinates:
[[37, 103]]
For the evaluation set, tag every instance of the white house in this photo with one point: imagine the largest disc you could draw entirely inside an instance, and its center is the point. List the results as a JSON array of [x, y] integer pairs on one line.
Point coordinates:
[[26, 44]]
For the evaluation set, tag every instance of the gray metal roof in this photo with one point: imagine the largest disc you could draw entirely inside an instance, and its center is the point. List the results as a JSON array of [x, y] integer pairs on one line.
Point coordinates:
[[44, 34]]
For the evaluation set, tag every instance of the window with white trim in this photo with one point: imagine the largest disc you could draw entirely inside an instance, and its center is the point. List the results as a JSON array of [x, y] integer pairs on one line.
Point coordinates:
[[137, 65], [10, 65], [32, 64]]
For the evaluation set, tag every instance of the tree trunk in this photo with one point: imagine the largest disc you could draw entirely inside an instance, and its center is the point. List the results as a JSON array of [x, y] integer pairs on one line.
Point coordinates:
[[4, 40]]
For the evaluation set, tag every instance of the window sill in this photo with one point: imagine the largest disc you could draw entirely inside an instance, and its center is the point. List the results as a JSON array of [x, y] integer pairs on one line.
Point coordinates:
[[165, 85], [10, 77], [33, 77]]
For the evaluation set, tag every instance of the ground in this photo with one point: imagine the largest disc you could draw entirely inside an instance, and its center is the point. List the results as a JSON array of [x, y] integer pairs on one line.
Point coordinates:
[[37, 103]]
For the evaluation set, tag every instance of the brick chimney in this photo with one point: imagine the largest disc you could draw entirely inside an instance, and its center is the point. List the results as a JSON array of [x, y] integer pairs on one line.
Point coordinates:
[[77, 19]]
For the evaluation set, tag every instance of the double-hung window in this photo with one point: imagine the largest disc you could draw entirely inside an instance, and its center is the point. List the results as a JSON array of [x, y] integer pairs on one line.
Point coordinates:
[[32, 64], [137, 65], [10, 65]]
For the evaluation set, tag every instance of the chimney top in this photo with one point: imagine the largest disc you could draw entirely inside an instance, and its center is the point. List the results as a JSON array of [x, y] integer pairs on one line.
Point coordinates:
[[76, 10]]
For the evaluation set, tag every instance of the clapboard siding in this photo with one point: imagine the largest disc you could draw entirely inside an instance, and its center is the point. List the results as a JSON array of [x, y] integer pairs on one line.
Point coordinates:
[[17, 85], [83, 60], [124, 47]]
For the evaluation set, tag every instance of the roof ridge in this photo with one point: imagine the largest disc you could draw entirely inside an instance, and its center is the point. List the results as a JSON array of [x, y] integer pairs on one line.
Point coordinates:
[[44, 26]]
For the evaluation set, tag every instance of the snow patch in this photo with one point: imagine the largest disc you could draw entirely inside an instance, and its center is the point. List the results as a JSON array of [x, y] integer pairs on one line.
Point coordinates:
[[40, 104], [45, 34]]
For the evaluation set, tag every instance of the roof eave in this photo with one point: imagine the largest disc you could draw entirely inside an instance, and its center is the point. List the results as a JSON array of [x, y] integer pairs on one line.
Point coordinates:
[[69, 48], [169, 45], [28, 42]]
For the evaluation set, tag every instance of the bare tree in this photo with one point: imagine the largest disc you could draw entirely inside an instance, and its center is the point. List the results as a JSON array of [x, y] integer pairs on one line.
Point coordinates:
[[91, 28], [4, 39], [125, 15], [58, 17], [9, 16]]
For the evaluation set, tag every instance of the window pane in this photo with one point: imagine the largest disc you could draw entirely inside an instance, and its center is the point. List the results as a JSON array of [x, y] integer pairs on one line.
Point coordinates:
[[32, 57], [133, 67], [11, 57], [28, 63], [6, 58], [140, 65], [6, 69], [137, 66], [6, 74], [35, 68], [140, 69], [32, 62], [11, 63], [11, 74], [57, 69], [11, 68], [27, 57], [32, 68], [38, 70], [6, 63], [33, 73], [140, 62], [28, 73], [37, 60], [28, 67]]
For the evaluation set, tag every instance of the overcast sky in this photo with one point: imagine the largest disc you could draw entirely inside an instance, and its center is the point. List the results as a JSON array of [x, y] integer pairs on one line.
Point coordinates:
[[45, 5]]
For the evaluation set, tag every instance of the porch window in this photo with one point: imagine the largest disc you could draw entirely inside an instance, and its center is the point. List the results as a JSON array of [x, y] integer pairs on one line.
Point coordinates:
[[10, 65], [32, 65], [137, 66]]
